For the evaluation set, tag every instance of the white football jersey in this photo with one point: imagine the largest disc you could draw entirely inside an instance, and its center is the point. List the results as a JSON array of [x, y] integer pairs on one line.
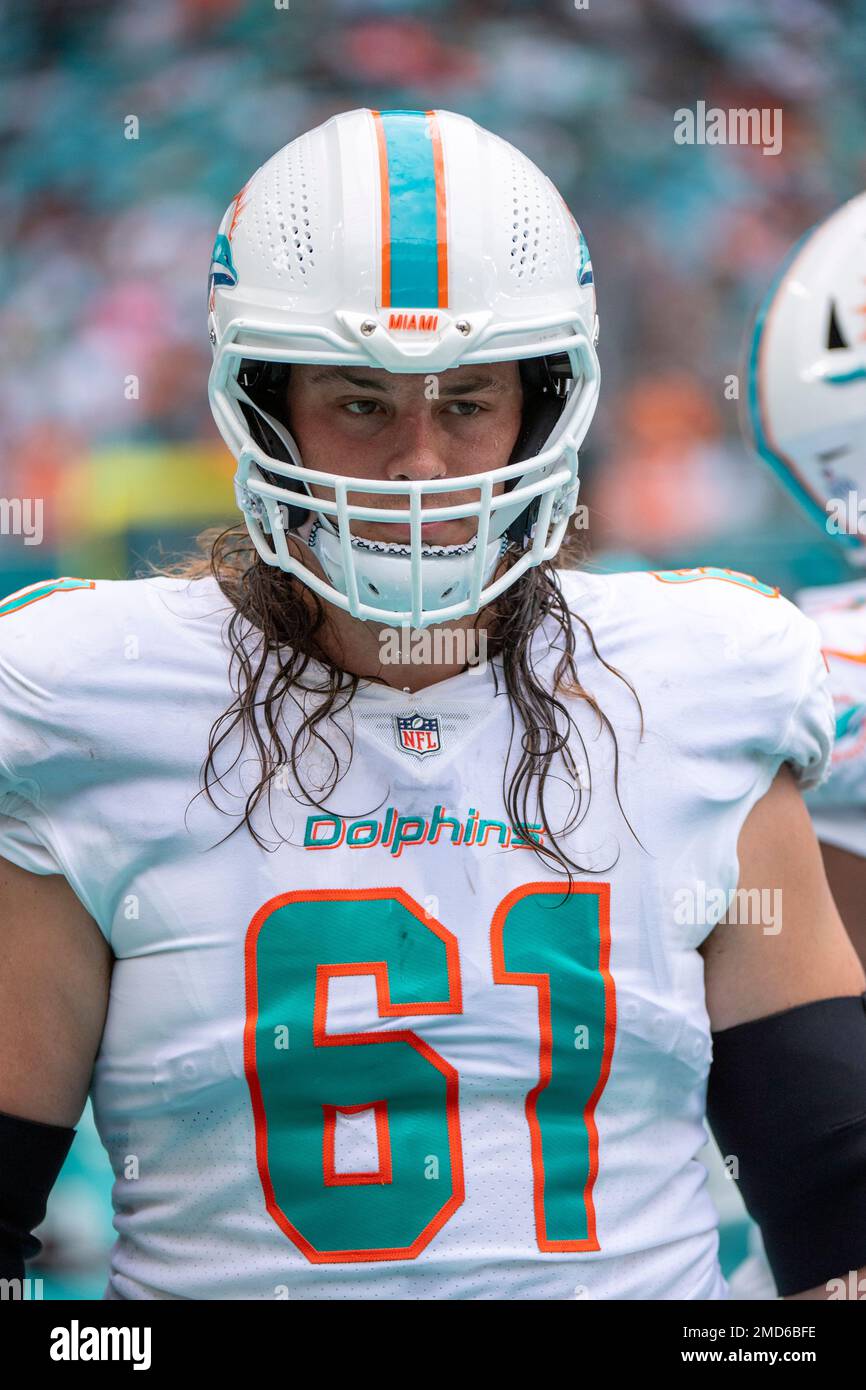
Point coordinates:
[[390, 1055], [838, 807]]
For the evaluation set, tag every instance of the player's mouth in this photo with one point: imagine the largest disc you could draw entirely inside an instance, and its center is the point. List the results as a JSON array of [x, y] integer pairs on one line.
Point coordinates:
[[432, 533]]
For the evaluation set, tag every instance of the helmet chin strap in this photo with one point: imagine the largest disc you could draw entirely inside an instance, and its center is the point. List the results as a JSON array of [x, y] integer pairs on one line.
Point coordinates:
[[383, 570]]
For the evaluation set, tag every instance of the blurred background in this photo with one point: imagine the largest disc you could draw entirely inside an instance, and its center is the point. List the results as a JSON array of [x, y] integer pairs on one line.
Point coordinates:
[[106, 246]]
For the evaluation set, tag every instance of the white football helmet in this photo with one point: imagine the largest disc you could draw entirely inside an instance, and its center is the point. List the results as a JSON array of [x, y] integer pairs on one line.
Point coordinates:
[[415, 242], [807, 370]]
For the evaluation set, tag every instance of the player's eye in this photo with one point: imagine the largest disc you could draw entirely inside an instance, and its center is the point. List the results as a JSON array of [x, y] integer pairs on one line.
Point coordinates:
[[359, 407], [465, 408]]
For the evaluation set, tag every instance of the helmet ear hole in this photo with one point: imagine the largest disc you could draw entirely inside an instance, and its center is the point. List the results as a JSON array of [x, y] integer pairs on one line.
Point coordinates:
[[266, 384], [546, 383]]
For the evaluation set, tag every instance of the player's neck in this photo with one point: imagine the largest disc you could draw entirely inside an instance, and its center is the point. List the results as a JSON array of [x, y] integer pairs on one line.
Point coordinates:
[[403, 658]]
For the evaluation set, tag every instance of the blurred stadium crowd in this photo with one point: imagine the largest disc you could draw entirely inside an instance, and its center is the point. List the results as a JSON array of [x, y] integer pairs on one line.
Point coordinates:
[[107, 240]]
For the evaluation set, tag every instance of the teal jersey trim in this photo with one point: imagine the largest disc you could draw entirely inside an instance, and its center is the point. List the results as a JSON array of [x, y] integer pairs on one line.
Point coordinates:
[[14, 602], [689, 576]]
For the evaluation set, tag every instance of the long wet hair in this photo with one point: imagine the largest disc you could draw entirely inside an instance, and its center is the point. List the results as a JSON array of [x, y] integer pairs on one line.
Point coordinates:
[[288, 625]]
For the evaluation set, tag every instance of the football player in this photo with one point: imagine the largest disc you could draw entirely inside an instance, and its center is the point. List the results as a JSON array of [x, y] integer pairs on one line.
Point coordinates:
[[393, 973], [807, 397], [807, 418]]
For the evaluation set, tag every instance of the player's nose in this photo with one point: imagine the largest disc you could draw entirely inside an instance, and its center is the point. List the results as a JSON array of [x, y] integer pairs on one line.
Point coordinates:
[[417, 456]]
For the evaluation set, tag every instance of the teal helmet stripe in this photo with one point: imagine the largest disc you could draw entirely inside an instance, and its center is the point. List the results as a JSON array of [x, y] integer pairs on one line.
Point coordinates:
[[780, 465], [412, 210]]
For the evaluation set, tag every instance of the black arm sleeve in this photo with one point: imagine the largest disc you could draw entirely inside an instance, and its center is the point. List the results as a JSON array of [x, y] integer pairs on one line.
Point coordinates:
[[31, 1156], [787, 1098]]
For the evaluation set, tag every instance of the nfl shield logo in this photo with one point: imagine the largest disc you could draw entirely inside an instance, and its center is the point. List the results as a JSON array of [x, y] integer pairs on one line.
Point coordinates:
[[417, 734]]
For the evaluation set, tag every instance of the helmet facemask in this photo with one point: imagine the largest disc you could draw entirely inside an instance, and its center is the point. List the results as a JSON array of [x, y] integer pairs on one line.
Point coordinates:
[[277, 502]]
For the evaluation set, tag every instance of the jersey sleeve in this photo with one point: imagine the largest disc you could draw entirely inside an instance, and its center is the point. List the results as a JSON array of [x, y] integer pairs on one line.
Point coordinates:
[[766, 687], [807, 741], [29, 837], [740, 688], [25, 839]]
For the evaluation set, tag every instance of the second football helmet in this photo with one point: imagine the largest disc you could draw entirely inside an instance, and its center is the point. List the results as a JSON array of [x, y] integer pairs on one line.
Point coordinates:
[[807, 371]]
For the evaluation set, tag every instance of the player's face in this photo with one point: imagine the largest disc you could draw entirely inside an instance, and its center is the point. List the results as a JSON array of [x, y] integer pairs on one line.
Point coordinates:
[[364, 422]]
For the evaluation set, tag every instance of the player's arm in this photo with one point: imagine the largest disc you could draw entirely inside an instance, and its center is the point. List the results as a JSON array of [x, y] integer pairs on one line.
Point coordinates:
[[846, 875], [787, 1093], [55, 971]]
